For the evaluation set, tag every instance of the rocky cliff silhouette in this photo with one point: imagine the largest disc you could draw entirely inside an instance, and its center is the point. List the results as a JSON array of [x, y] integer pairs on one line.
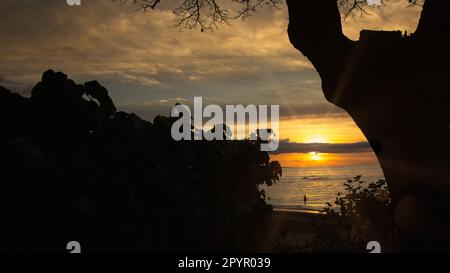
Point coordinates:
[[73, 168]]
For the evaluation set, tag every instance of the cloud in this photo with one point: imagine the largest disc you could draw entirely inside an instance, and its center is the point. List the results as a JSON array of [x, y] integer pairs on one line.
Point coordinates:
[[147, 81], [151, 108], [107, 37], [336, 148], [142, 60], [394, 15]]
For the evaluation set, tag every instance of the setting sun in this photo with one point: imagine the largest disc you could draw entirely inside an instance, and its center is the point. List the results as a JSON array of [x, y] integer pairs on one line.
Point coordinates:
[[322, 130], [315, 156]]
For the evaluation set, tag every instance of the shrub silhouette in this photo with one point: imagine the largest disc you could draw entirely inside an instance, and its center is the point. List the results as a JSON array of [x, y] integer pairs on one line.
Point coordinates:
[[359, 215], [73, 168]]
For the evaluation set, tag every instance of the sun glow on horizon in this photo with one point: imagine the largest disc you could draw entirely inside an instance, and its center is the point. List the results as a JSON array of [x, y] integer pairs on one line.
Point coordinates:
[[321, 130], [315, 156], [324, 159], [333, 130]]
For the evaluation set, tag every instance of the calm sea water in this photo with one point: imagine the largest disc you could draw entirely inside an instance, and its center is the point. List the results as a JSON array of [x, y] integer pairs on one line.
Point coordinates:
[[320, 184]]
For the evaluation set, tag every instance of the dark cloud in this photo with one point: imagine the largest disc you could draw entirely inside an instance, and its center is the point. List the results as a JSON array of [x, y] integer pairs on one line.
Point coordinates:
[[148, 110], [336, 148]]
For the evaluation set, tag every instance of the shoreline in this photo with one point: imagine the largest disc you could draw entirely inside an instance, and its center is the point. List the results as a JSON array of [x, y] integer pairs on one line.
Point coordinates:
[[289, 210], [288, 229]]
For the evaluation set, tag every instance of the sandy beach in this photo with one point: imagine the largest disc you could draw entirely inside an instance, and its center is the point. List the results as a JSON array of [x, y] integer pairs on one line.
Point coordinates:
[[287, 229]]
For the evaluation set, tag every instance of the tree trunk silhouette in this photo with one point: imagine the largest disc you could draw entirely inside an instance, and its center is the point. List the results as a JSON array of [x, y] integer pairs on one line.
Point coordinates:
[[395, 87]]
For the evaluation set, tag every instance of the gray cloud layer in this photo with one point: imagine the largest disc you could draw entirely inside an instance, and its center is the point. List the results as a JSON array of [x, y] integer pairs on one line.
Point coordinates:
[[340, 148]]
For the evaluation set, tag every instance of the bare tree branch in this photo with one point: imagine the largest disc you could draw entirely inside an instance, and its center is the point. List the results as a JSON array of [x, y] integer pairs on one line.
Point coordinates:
[[350, 8], [208, 14]]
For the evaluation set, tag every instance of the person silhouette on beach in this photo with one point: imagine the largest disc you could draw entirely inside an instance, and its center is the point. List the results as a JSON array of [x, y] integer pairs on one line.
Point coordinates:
[[304, 199]]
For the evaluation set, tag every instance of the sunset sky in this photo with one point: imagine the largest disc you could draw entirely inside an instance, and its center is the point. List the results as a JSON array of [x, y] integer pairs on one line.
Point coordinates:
[[148, 66]]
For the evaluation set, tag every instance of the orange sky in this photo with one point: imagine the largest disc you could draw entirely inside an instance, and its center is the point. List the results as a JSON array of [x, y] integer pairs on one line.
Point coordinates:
[[148, 66], [313, 160], [333, 129]]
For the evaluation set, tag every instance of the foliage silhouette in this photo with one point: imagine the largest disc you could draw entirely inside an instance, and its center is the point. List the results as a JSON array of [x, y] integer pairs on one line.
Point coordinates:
[[73, 168], [359, 215]]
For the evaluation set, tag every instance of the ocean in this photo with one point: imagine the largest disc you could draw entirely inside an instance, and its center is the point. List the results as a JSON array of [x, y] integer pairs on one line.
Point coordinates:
[[320, 184]]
